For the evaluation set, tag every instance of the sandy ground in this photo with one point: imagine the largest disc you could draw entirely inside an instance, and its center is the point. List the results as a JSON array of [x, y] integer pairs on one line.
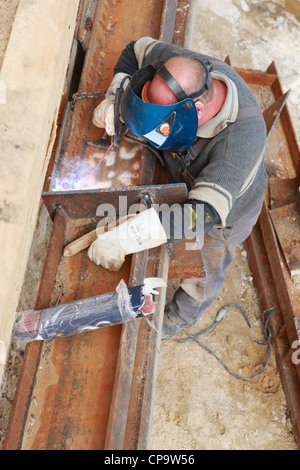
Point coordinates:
[[199, 405]]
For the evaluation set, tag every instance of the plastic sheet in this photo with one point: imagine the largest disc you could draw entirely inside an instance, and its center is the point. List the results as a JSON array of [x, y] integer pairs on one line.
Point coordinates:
[[79, 316]]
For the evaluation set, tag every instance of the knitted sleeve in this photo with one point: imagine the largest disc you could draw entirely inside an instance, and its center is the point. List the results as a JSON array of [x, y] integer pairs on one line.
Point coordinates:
[[127, 62]]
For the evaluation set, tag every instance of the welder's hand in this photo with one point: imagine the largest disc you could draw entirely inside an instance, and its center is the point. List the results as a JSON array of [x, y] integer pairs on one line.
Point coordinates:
[[107, 252], [104, 113], [142, 232], [104, 116]]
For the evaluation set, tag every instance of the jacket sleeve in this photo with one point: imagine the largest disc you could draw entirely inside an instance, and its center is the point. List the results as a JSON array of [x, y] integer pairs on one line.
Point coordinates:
[[127, 62], [192, 219], [133, 56]]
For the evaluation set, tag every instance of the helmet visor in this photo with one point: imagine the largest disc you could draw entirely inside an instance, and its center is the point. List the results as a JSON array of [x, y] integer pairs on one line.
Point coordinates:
[[170, 127]]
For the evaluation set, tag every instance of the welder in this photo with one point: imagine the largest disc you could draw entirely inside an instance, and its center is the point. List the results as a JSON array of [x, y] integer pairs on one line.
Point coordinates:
[[204, 120]]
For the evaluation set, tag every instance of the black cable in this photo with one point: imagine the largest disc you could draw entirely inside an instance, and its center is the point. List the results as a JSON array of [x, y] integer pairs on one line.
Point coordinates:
[[220, 315]]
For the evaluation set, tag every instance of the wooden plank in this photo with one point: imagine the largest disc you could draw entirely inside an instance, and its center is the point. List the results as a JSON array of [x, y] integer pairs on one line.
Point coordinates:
[[33, 73]]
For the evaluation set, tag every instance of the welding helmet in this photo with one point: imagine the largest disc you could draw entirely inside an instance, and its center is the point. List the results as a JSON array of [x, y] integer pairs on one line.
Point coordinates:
[[166, 127]]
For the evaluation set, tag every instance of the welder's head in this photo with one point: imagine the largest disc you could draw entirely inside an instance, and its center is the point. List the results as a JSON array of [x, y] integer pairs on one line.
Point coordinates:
[[156, 107]]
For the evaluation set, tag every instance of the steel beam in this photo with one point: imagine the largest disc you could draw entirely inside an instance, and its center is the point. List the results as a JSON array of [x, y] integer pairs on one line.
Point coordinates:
[[72, 394], [271, 275]]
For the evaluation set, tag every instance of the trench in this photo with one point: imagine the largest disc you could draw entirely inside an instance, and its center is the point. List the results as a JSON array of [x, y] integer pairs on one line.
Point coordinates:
[[57, 422]]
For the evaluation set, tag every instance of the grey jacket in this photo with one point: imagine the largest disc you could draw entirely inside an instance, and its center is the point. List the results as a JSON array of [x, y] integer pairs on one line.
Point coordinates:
[[229, 171]]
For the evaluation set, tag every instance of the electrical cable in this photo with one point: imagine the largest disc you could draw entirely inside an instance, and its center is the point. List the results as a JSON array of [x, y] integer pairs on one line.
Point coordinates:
[[220, 315]]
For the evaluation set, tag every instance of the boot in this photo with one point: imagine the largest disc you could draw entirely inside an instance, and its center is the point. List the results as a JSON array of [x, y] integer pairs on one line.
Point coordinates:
[[170, 327]]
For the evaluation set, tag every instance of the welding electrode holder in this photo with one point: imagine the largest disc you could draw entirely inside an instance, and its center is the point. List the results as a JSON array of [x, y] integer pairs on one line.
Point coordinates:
[[120, 127]]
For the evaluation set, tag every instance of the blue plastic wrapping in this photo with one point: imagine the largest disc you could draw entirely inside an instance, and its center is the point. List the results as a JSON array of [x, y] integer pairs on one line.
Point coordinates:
[[79, 316]]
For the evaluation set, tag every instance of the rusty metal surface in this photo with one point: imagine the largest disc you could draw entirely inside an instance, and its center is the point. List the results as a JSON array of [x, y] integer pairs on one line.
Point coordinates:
[[75, 376], [271, 275], [291, 143], [132, 400], [287, 292], [122, 167], [114, 26], [19, 413], [85, 20], [69, 394], [185, 262], [181, 27], [282, 191], [286, 221], [264, 283], [297, 325], [81, 204], [65, 396], [272, 113]]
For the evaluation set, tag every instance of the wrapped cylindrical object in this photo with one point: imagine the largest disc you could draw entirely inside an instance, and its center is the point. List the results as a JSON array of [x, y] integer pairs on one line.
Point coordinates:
[[79, 316]]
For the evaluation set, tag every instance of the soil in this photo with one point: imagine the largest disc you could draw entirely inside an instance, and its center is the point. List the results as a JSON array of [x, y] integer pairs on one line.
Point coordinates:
[[198, 404]]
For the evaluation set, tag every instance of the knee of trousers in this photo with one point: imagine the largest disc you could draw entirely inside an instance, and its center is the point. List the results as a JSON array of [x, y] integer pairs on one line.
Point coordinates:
[[195, 288], [203, 289]]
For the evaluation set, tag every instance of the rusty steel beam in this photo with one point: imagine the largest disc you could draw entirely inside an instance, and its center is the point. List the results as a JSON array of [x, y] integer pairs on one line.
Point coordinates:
[[168, 19], [62, 383], [72, 393], [272, 278], [286, 221], [16, 426], [114, 26], [132, 398], [73, 378], [81, 204]]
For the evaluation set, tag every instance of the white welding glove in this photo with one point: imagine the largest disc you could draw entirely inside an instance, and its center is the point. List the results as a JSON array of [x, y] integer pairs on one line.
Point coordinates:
[[104, 115], [139, 233]]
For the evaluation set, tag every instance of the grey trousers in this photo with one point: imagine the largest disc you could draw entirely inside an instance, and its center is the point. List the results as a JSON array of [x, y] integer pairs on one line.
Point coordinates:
[[194, 295]]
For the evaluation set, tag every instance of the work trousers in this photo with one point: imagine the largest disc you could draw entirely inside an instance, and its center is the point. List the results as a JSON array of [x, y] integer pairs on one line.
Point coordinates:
[[194, 295]]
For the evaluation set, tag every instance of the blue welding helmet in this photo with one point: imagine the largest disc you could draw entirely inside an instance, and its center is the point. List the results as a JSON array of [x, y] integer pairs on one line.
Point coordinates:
[[166, 127]]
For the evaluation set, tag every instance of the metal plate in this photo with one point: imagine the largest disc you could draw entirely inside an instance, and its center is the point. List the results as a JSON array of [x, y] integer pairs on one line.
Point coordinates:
[[82, 204]]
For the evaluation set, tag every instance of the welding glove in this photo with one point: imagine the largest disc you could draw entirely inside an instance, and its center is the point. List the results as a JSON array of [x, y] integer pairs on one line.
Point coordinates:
[[142, 232], [104, 113]]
